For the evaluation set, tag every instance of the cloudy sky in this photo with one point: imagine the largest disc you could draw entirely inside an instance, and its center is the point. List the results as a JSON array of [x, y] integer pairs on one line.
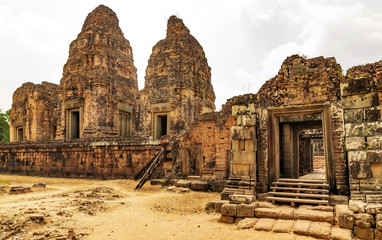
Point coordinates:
[[245, 41]]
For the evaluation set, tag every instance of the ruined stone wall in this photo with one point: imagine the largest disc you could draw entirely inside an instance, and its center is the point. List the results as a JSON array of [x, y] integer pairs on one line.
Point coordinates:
[[209, 137], [33, 112], [99, 158], [361, 99], [177, 82], [99, 79]]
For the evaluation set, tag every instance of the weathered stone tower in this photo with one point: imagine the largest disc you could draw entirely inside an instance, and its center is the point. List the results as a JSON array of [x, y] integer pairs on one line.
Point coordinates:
[[178, 83], [99, 88], [32, 116]]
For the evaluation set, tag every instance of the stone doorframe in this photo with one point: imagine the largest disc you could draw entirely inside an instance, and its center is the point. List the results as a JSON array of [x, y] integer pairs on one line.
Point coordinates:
[[274, 115]]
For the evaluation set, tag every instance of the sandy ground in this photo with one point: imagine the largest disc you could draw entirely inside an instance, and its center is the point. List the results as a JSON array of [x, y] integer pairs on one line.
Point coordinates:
[[96, 209]]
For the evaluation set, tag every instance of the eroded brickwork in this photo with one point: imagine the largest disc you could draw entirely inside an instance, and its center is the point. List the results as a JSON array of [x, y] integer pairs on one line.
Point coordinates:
[[99, 81], [33, 115], [361, 99], [100, 158], [177, 83]]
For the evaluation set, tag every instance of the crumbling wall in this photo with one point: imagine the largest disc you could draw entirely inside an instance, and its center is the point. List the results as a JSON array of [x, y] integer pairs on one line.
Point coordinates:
[[99, 79], [177, 82], [99, 158], [208, 143], [33, 112], [361, 99]]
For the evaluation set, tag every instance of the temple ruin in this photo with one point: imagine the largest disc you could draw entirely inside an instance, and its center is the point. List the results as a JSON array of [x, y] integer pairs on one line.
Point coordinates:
[[309, 120]]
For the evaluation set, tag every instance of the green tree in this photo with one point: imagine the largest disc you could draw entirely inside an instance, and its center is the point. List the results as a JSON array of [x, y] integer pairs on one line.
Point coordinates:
[[4, 126]]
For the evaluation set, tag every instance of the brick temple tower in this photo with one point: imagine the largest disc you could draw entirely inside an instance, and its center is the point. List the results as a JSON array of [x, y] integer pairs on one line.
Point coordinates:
[[177, 84], [99, 88]]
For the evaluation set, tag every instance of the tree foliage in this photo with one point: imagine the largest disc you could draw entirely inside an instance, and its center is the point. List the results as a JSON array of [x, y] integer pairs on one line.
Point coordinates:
[[4, 126]]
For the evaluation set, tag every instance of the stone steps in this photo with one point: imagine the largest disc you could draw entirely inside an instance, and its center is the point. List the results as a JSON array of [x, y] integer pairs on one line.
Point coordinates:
[[307, 191]]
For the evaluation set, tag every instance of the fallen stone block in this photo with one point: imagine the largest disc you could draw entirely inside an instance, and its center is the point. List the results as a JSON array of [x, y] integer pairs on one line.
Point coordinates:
[[338, 199], [378, 222], [219, 204], [37, 218], [267, 212], [320, 230], [344, 216], [245, 210], [20, 189], [264, 224], [247, 223], [341, 234], [315, 216], [364, 233], [364, 220], [199, 186], [210, 207], [229, 210], [302, 227], [41, 185], [377, 234], [283, 226], [171, 189], [183, 183], [237, 199], [374, 209], [227, 219], [357, 206], [182, 190]]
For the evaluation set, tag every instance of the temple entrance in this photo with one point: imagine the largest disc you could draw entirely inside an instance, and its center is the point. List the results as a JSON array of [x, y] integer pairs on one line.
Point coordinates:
[[20, 134], [300, 144], [74, 123], [302, 150], [161, 125]]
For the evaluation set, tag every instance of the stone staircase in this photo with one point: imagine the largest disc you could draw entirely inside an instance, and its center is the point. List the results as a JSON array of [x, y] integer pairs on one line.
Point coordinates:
[[304, 191]]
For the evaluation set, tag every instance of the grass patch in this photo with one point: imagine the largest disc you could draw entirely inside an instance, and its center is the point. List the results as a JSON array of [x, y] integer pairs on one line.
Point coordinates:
[[4, 182]]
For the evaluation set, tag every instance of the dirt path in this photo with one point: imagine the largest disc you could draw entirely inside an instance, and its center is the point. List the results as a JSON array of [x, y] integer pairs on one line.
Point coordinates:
[[95, 209]]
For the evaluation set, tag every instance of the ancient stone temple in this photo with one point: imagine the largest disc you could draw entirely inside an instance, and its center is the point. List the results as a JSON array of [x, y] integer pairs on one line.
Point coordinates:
[[33, 115], [99, 88], [309, 135], [178, 83]]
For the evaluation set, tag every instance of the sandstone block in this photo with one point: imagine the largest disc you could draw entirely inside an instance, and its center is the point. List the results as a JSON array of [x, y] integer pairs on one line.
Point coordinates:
[[247, 223], [341, 234], [374, 208], [357, 206], [245, 210], [264, 224], [364, 233], [320, 230], [378, 222], [344, 216], [302, 227], [19, 189], [353, 143], [37, 218], [41, 185], [364, 220], [287, 213], [377, 234], [266, 205], [199, 186], [210, 207], [316, 216], [183, 183], [283, 226], [238, 198], [229, 210], [267, 212], [219, 204], [227, 219]]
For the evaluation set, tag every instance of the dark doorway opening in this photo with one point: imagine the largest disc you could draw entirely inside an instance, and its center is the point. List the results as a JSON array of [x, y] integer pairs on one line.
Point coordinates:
[[75, 124], [20, 134], [302, 150], [161, 126]]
